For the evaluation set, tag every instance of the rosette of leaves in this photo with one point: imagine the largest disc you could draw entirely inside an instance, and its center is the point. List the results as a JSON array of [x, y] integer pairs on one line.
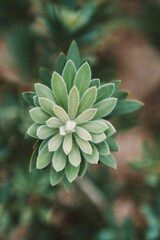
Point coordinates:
[[70, 120]]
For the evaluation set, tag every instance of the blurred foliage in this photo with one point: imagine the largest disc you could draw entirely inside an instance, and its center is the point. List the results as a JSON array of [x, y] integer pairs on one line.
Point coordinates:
[[32, 33]]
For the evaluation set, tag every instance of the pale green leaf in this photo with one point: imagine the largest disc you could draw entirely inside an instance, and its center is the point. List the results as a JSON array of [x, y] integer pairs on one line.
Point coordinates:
[[108, 160], [83, 168], [84, 134], [68, 74], [103, 148], [28, 97], [73, 54], [105, 107], [32, 131], [56, 177], [87, 99], [54, 122], [44, 157], [85, 146], [73, 103], [98, 137], [44, 91], [86, 116], [55, 142], [95, 82], [96, 126], [83, 78], [94, 157], [47, 105], [71, 172], [113, 145], [110, 130], [60, 113], [75, 156], [59, 160], [67, 143], [38, 115], [59, 89], [105, 91], [44, 132]]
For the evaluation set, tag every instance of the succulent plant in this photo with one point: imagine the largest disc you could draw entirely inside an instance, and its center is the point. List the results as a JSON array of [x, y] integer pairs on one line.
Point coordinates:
[[69, 121]]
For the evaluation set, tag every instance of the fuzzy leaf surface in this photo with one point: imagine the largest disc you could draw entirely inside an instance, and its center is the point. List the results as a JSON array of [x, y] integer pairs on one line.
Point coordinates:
[[44, 158], [73, 103], [44, 91], [68, 74], [59, 160], [59, 89], [87, 99], [86, 116], [38, 115], [105, 107], [83, 78]]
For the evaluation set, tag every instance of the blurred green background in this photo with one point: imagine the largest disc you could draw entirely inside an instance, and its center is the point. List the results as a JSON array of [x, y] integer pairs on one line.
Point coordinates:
[[121, 40]]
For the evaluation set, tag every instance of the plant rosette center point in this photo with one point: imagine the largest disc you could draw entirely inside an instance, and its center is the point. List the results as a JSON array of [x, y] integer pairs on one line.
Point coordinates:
[[69, 127]]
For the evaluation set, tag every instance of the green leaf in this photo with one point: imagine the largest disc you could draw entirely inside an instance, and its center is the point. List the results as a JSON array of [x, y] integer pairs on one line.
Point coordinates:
[[86, 116], [32, 131], [95, 126], [47, 105], [105, 107], [85, 146], [60, 63], [83, 78], [71, 172], [73, 103], [55, 142], [59, 160], [67, 143], [75, 156], [122, 94], [36, 101], [87, 99], [54, 122], [28, 97], [103, 148], [113, 145], [110, 130], [32, 164], [68, 74], [95, 82], [38, 115], [105, 91], [108, 160], [44, 91], [60, 113], [94, 157], [98, 137], [44, 132], [44, 158], [73, 54], [126, 106], [83, 168], [55, 177], [84, 134], [45, 76], [59, 89]]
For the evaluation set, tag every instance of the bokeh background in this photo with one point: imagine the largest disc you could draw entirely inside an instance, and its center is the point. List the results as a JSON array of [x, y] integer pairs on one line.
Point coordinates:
[[121, 40]]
